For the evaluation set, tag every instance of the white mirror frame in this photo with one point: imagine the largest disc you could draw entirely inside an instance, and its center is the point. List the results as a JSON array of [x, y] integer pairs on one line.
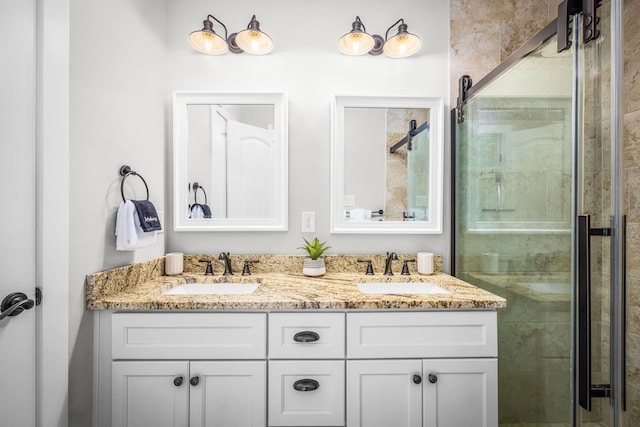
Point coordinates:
[[436, 160], [181, 99]]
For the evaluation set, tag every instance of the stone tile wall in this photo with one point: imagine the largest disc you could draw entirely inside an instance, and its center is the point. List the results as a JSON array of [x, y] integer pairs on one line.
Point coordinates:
[[631, 25]]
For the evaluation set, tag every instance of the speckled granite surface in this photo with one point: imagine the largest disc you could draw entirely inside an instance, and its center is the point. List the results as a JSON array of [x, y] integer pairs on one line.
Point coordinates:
[[140, 286]]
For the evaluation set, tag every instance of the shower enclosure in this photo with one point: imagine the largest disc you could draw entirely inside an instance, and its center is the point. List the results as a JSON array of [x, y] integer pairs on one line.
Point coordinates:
[[536, 220]]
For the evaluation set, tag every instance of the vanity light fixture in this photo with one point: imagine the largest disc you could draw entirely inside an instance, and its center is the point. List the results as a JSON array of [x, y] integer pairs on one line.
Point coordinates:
[[359, 42], [403, 44], [251, 40], [207, 41]]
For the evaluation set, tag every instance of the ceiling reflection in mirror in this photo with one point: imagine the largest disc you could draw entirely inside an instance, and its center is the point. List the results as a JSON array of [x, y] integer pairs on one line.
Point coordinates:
[[387, 165], [230, 161]]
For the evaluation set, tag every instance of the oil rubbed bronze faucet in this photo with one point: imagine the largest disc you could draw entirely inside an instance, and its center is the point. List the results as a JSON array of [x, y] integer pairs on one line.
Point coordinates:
[[388, 263], [224, 257], [209, 270]]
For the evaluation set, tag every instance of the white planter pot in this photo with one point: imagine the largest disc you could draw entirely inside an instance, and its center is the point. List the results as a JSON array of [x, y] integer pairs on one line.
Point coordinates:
[[313, 267]]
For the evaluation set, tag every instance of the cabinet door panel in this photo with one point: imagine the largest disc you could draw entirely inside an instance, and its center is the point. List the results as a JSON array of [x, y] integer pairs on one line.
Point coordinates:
[[461, 383], [228, 394], [306, 393], [144, 394], [188, 336], [437, 334], [382, 393]]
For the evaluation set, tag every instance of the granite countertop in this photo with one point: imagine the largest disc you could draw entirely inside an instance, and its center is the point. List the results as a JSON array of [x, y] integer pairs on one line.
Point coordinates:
[[140, 287]]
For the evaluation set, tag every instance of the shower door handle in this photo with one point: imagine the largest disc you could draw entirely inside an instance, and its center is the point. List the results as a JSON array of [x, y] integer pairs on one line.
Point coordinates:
[[586, 390], [584, 312]]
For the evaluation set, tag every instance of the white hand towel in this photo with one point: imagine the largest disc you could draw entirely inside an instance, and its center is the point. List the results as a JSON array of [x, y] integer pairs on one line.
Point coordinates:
[[359, 214], [129, 233], [196, 212]]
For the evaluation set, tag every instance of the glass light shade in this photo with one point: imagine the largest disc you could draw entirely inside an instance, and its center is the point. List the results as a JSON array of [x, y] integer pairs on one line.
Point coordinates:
[[355, 43], [208, 42], [254, 41], [402, 45]]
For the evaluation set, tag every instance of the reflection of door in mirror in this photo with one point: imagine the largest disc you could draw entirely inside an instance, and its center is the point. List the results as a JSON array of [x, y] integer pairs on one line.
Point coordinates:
[[388, 163], [232, 149]]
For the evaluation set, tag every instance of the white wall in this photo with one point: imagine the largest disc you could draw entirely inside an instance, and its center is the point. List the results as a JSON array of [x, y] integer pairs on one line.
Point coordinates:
[[126, 58], [117, 116], [306, 65]]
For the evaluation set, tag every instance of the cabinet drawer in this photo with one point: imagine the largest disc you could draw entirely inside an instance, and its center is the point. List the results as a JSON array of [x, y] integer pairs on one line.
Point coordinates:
[[188, 336], [306, 393], [306, 335], [422, 335]]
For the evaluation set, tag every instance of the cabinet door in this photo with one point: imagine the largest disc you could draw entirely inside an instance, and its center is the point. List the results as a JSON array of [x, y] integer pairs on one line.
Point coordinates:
[[150, 394], [383, 393], [460, 392], [228, 394]]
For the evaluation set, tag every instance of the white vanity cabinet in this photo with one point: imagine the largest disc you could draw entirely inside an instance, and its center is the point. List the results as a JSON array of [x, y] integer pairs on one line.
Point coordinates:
[[181, 394], [313, 368], [186, 370], [435, 369]]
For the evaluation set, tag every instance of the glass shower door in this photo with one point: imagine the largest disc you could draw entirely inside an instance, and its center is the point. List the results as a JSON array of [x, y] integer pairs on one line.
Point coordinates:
[[418, 167], [514, 228], [533, 162]]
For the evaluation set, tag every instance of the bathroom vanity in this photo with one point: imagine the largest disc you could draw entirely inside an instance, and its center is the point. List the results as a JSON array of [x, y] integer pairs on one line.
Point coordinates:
[[297, 351]]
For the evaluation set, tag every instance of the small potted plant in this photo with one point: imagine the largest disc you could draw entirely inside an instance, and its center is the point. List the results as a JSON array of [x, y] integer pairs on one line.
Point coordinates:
[[314, 265]]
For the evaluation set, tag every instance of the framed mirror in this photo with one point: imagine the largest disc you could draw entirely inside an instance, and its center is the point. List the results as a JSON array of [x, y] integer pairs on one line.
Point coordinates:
[[387, 165], [230, 161]]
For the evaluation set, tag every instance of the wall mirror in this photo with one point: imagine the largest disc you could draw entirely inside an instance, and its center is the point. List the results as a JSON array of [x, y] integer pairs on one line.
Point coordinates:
[[387, 165], [229, 161]]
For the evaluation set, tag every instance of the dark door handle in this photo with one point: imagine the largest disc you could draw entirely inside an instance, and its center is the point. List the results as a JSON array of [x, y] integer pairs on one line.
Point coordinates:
[[14, 304], [584, 311], [306, 385], [417, 379], [306, 336], [194, 381], [433, 378], [177, 381]]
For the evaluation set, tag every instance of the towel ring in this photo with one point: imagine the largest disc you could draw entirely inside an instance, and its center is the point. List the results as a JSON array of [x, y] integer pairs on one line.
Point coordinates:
[[197, 187], [125, 171]]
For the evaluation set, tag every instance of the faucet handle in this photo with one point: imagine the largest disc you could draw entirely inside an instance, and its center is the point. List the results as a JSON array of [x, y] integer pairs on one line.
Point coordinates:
[[209, 270], [405, 267], [369, 266], [247, 263]]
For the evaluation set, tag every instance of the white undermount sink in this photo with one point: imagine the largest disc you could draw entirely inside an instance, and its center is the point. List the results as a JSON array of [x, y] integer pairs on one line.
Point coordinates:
[[213, 289], [401, 288]]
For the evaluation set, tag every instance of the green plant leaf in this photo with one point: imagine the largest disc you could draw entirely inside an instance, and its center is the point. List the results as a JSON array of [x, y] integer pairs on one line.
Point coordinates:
[[315, 249]]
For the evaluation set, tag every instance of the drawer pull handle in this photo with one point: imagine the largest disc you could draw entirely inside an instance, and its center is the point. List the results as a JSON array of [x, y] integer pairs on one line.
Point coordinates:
[[194, 381], [177, 381], [306, 336], [433, 378], [417, 379], [306, 385]]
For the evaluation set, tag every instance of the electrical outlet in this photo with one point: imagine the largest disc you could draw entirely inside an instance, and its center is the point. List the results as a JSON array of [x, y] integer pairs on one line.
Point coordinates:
[[308, 222]]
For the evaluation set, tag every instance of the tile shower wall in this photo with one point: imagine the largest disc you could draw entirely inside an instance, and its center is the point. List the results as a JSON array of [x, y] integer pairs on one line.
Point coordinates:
[[631, 13]]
